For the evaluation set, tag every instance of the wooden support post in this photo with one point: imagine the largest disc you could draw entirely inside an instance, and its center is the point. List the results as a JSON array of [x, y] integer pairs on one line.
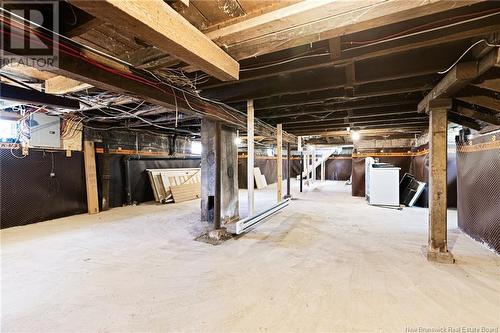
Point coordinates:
[[218, 171], [323, 170], [279, 161], [306, 166], [438, 126], [288, 170], [334, 45], [250, 156], [106, 178], [90, 177], [301, 169], [313, 171]]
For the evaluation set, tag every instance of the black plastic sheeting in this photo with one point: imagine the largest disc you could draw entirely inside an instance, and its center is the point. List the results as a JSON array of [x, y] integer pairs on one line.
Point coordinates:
[[358, 171], [267, 167], [418, 166], [140, 186], [478, 182], [335, 169], [29, 194]]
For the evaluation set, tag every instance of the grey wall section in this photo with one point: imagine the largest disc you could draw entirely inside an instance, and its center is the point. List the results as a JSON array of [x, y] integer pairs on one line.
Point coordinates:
[[229, 173], [478, 183], [27, 192]]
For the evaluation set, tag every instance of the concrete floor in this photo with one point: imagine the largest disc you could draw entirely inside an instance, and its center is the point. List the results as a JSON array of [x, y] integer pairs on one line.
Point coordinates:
[[329, 262]]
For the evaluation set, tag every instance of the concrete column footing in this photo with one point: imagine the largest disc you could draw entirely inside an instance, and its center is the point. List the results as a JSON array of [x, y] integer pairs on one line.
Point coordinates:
[[439, 256], [218, 234]]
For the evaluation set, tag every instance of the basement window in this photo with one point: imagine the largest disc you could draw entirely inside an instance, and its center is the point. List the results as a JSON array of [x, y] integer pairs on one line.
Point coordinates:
[[196, 147], [8, 130]]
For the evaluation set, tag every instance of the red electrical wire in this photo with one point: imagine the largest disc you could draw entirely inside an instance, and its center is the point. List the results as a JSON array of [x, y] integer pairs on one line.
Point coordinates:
[[74, 53]]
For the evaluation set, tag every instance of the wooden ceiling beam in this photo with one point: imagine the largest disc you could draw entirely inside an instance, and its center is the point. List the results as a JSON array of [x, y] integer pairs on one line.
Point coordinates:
[[327, 98], [377, 70], [264, 33], [160, 25], [436, 36], [285, 18], [473, 114], [358, 117], [458, 119], [357, 112], [361, 111], [482, 101], [387, 128], [29, 96], [492, 84], [360, 124], [391, 87], [369, 132], [64, 85], [459, 77]]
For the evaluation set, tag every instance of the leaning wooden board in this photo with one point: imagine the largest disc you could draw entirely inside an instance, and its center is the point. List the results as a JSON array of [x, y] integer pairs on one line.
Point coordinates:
[[259, 181], [162, 179], [186, 192]]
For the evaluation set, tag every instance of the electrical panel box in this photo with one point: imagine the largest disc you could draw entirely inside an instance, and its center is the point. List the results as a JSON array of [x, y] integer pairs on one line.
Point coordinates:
[[45, 131]]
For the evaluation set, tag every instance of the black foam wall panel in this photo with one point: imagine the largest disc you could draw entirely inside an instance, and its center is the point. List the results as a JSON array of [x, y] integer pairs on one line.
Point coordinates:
[[29, 194]]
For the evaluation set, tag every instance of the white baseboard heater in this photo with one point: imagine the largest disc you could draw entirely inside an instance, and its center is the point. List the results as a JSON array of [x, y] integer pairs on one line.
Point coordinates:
[[244, 225]]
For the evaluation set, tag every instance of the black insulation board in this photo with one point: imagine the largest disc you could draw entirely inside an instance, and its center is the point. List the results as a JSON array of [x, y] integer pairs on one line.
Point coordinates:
[[139, 179], [27, 192]]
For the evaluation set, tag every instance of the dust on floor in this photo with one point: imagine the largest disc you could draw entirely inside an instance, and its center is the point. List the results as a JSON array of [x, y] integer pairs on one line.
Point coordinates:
[[328, 262]]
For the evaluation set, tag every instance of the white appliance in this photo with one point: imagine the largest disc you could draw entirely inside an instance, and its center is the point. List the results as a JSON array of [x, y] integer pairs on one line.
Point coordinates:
[[381, 183]]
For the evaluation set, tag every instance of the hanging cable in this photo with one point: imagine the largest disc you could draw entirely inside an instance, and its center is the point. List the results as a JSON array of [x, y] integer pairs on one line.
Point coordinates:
[[465, 52], [206, 110], [284, 61]]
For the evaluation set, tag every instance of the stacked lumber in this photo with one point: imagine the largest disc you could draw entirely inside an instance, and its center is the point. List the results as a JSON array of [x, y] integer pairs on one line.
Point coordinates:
[[175, 184]]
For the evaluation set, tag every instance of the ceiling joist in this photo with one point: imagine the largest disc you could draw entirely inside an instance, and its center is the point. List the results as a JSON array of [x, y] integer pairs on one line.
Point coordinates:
[[313, 21], [158, 24]]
